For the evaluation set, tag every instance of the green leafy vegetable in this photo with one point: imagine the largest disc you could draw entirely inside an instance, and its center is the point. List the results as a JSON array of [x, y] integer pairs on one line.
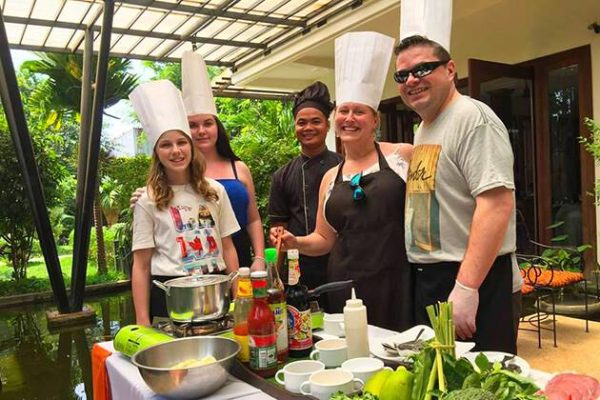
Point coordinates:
[[342, 396]]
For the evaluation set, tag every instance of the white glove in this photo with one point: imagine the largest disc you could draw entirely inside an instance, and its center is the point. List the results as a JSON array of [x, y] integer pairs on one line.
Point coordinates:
[[465, 302]]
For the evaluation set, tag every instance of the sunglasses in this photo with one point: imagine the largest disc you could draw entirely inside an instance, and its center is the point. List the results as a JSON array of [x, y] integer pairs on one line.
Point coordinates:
[[418, 71], [358, 194]]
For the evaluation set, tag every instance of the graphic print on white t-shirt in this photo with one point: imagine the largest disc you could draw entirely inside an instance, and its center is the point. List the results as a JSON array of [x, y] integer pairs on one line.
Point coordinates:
[[195, 239], [422, 214]]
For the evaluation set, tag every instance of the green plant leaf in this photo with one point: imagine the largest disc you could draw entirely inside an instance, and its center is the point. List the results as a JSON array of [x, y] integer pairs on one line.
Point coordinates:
[[555, 225], [583, 247], [559, 238]]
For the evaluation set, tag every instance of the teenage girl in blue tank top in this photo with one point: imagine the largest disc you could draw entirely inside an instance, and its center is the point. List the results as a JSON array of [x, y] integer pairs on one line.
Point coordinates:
[[224, 166]]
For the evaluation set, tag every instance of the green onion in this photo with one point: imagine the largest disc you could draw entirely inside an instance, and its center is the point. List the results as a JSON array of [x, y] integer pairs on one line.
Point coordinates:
[[440, 316]]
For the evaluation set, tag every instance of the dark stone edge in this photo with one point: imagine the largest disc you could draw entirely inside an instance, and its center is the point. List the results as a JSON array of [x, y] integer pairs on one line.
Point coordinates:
[[41, 297]]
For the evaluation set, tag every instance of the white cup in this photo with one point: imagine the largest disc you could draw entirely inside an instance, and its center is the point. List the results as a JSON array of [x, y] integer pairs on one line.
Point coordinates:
[[363, 367], [297, 372], [324, 383], [333, 324], [331, 352]]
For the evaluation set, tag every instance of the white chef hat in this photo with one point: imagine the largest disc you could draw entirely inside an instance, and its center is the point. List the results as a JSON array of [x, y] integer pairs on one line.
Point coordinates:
[[429, 18], [195, 85], [362, 60], [160, 108]]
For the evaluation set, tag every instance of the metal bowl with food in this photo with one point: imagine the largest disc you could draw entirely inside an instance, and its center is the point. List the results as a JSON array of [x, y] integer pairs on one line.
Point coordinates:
[[187, 368]]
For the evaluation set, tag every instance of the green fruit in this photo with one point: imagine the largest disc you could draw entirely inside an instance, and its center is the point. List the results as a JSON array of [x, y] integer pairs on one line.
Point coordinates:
[[398, 386], [376, 381]]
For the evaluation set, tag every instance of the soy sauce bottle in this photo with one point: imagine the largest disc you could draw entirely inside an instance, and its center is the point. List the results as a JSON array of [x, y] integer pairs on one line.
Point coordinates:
[[298, 310], [276, 300]]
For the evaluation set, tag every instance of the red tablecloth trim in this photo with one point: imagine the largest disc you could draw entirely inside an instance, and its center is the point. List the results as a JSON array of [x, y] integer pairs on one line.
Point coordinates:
[[101, 383]]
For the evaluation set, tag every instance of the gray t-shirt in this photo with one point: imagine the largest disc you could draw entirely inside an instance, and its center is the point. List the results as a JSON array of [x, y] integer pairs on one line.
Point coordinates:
[[463, 153]]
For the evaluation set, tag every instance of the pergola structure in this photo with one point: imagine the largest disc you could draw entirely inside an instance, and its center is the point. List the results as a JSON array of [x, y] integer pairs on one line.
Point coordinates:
[[228, 33]]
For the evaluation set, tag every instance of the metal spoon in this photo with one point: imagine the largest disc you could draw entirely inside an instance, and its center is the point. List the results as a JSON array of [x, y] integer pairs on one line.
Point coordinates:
[[390, 348], [397, 347]]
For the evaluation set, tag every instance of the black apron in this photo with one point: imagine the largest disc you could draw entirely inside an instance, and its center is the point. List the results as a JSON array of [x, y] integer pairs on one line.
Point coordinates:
[[370, 247]]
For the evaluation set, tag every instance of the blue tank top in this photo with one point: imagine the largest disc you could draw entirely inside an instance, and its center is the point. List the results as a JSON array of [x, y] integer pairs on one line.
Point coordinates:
[[238, 196]]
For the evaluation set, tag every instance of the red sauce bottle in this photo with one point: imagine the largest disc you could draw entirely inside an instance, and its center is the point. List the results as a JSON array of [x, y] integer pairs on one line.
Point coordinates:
[[262, 332]]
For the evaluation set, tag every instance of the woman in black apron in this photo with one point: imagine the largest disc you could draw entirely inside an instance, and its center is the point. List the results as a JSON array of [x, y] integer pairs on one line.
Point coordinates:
[[369, 246], [361, 222]]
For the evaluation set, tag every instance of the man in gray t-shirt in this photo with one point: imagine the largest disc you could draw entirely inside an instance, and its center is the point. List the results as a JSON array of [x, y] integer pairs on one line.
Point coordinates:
[[460, 225]]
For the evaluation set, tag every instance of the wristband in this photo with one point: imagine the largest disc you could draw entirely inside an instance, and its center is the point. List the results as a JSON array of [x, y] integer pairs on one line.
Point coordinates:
[[469, 289]]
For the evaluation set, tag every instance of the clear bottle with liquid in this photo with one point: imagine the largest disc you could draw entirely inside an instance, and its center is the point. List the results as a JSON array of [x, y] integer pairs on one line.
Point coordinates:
[[242, 305]]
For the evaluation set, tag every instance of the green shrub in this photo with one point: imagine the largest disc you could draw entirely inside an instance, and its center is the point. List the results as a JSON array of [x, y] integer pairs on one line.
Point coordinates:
[[109, 237], [22, 286], [128, 172]]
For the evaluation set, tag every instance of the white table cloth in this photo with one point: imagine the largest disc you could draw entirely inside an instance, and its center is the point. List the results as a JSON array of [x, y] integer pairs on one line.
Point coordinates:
[[127, 383]]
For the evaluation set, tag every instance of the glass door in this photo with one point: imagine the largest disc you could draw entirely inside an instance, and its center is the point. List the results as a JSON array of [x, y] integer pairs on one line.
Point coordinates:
[[508, 90], [564, 94], [543, 103]]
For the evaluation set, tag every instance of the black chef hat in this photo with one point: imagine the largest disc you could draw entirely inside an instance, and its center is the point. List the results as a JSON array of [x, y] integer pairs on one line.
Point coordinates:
[[316, 96]]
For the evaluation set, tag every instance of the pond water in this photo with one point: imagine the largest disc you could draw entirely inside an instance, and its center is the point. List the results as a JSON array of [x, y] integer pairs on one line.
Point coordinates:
[[38, 364]]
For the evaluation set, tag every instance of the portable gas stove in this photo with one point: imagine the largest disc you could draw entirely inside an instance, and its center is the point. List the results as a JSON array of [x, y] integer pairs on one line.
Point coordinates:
[[186, 329]]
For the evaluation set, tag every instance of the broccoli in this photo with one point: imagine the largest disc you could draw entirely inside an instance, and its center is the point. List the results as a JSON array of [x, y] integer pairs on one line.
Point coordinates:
[[470, 394]]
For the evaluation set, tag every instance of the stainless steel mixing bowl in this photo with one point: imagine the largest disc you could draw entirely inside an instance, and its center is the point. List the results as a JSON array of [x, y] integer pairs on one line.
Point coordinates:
[[154, 364]]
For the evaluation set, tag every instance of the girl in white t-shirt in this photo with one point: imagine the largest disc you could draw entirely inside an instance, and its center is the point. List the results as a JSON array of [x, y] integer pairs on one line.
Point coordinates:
[[183, 223]]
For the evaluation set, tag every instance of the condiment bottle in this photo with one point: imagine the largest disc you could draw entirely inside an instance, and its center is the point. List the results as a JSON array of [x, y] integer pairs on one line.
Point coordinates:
[[243, 304], [298, 308], [262, 333], [355, 325], [277, 303]]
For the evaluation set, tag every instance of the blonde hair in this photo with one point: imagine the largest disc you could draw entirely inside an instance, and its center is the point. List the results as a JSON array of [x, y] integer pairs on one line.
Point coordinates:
[[158, 186]]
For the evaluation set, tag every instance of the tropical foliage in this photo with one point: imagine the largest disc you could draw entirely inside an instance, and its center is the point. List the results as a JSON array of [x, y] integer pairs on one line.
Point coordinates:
[[17, 229], [592, 145], [60, 96], [262, 136]]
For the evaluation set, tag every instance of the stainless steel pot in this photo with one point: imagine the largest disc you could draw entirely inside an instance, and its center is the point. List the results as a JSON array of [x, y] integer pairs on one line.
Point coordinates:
[[197, 298]]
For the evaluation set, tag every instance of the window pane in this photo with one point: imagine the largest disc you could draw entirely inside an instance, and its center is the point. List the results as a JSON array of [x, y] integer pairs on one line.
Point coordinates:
[[565, 162]]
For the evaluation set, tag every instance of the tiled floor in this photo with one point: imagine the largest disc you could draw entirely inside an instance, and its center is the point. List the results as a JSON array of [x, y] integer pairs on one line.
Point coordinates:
[[576, 351]]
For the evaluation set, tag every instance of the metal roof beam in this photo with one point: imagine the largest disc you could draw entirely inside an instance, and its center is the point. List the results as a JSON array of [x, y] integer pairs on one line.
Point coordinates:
[[134, 32], [215, 13], [113, 54], [251, 94]]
